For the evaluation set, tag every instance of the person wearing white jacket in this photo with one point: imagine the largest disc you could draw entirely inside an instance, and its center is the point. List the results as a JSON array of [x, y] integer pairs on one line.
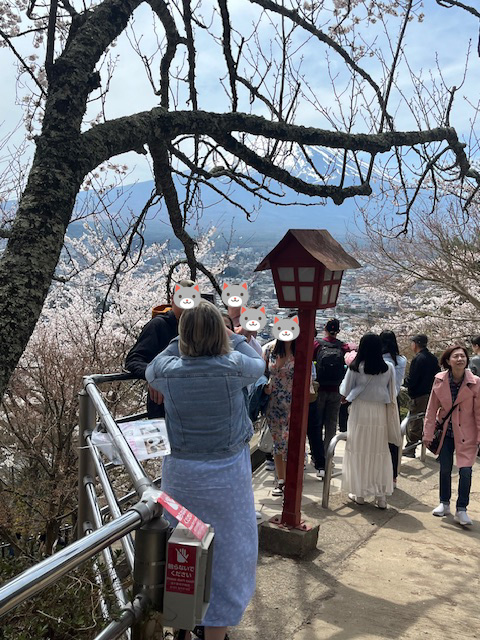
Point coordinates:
[[369, 385]]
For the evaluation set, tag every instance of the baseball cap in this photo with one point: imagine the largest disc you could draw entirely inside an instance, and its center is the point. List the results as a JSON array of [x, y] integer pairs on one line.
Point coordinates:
[[332, 325], [420, 339]]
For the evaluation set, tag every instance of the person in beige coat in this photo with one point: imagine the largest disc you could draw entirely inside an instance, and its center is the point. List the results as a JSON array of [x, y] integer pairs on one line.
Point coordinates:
[[458, 387]]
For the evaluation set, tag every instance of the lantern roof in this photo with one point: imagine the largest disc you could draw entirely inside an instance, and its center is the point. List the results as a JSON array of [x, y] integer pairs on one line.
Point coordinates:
[[318, 243]]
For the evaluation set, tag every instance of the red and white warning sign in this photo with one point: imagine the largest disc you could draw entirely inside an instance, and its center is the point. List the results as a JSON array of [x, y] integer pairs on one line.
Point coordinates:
[[181, 566], [186, 517]]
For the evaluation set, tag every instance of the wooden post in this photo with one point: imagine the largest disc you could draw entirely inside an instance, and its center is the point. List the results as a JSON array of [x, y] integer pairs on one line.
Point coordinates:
[[298, 419]]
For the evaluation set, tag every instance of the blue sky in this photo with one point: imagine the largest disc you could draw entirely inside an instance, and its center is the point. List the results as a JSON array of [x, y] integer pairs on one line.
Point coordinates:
[[442, 37]]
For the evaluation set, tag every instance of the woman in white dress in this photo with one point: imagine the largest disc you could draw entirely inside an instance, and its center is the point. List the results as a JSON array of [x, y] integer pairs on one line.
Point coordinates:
[[392, 354], [369, 385]]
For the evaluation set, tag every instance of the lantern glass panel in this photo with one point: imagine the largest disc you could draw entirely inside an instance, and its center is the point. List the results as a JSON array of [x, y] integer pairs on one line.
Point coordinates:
[[306, 274], [333, 293], [337, 275], [327, 275], [306, 294], [286, 274], [289, 294], [325, 294]]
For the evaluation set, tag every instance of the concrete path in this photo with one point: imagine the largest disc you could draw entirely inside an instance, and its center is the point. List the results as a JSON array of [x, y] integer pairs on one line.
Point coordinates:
[[399, 573]]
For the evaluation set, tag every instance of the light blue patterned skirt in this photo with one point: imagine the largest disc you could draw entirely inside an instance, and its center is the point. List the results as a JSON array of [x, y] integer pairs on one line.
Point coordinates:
[[220, 493]]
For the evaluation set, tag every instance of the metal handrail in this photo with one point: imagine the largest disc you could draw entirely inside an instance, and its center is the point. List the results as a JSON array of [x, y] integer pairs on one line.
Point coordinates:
[[107, 554], [112, 504], [413, 446], [99, 581], [102, 378], [47, 572], [329, 467], [129, 615], [133, 467], [128, 496], [99, 538]]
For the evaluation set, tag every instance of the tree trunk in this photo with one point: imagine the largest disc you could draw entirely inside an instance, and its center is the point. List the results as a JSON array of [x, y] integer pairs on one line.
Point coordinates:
[[33, 250]]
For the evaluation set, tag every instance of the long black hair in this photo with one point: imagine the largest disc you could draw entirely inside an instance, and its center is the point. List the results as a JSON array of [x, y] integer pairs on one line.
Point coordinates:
[[389, 344], [370, 353], [279, 348]]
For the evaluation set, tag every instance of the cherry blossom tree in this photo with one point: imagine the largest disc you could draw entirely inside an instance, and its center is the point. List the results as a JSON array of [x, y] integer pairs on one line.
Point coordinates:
[[92, 316], [430, 276], [242, 94]]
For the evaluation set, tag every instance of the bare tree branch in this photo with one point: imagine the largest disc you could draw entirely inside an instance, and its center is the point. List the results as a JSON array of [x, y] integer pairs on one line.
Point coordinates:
[[449, 4], [21, 60], [166, 188], [297, 19], [227, 51]]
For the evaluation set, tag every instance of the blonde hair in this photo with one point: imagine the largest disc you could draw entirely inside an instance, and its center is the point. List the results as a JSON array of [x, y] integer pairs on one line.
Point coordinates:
[[202, 332]]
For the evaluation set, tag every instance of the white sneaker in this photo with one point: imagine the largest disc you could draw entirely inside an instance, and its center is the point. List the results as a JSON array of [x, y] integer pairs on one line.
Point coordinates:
[[356, 499], [381, 502], [269, 465], [463, 518], [320, 474], [258, 515], [278, 490], [443, 509]]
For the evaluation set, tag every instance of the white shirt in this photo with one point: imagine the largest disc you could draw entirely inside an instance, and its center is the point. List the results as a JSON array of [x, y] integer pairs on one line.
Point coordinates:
[[379, 388], [399, 368]]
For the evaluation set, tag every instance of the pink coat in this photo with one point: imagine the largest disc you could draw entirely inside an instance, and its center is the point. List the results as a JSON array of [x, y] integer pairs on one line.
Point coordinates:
[[465, 417]]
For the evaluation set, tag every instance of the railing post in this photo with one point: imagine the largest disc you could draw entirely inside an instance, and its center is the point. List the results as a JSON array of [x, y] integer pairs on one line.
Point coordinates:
[[86, 467], [327, 478], [149, 576]]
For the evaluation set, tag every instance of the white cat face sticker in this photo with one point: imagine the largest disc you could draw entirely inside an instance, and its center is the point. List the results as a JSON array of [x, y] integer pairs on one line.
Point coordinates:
[[286, 329], [235, 295], [186, 297], [253, 319]]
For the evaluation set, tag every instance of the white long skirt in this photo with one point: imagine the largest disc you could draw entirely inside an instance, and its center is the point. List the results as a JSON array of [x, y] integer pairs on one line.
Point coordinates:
[[367, 465]]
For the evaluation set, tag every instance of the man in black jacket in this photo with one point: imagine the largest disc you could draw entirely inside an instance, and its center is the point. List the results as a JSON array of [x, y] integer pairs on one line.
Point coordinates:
[[419, 382], [154, 338]]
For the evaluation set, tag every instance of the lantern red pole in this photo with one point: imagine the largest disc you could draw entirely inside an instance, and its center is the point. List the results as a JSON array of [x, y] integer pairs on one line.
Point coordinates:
[[298, 419]]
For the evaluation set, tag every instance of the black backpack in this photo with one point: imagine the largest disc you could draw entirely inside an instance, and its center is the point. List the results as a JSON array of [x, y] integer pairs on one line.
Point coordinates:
[[330, 363]]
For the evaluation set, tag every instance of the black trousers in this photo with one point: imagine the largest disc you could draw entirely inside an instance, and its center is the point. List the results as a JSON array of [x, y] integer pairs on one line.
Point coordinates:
[[315, 436]]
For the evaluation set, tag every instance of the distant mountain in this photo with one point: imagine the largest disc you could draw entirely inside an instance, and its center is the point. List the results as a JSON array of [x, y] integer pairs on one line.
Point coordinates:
[[269, 222]]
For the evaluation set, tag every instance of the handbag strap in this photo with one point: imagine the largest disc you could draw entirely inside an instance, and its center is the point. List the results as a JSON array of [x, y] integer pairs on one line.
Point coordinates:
[[364, 386], [448, 415]]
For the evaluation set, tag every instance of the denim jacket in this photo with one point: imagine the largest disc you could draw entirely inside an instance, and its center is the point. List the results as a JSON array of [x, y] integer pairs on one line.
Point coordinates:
[[205, 409]]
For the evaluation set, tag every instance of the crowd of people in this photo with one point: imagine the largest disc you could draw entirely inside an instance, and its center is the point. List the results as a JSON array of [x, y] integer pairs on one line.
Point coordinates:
[[200, 364]]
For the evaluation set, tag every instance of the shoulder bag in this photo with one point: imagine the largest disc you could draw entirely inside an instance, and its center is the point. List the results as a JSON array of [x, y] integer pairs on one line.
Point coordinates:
[[265, 442], [437, 434]]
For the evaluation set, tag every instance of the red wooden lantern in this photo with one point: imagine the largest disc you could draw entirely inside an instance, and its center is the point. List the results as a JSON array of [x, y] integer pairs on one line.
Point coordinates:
[[307, 267]]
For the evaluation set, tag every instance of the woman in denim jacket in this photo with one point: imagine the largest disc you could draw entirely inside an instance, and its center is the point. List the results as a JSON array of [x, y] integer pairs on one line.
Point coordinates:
[[201, 375]]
